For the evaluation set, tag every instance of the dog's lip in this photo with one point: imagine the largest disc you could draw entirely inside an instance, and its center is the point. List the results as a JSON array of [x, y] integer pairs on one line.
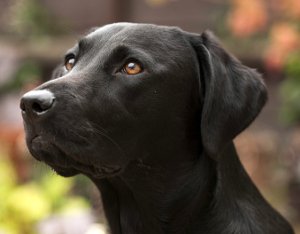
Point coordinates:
[[37, 138], [39, 142], [97, 171], [102, 171], [64, 172], [33, 138]]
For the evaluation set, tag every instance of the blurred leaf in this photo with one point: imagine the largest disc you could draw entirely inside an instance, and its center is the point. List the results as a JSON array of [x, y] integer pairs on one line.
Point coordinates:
[[290, 91], [29, 19], [28, 203], [293, 67], [73, 205], [29, 70], [8, 181], [288, 116], [8, 178], [56, 189], [23, 205]]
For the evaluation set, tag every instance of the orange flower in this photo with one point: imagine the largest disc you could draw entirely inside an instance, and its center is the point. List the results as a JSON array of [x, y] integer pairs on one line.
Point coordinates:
[[285, 36], [291, 8], [247, 17], [284, 39]]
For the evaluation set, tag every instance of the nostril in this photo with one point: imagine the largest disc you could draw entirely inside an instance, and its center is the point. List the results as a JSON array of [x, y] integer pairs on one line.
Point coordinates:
[[36, 102], [37, 108], [42, 104]]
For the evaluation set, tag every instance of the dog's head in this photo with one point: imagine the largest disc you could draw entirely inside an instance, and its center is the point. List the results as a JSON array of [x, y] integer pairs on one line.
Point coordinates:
[[126, 88]]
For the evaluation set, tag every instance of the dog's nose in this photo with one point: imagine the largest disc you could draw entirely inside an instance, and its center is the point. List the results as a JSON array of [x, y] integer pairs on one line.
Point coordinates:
[[36, 104]]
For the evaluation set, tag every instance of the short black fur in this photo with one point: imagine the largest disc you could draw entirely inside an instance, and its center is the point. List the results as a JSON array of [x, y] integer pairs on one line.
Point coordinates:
[[158, 144]]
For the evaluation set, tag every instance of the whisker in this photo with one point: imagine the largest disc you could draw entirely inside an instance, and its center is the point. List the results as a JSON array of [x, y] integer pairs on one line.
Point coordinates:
[[79, 135], [97, 126], [69, 31], [106, 136]]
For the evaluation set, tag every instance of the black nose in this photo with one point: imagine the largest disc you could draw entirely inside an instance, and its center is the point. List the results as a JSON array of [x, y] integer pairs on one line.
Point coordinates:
[[36, 104]]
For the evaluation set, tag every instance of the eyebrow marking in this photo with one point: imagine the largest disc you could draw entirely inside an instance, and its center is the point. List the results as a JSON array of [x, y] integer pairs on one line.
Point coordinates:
[[83, 43]]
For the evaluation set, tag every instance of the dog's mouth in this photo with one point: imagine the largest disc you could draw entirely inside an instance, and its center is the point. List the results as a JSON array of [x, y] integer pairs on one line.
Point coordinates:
[[64, 165], [96, 172]]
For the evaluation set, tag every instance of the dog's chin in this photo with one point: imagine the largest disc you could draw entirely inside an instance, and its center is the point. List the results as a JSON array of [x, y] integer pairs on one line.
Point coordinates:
[[39, 143], [66, 166]]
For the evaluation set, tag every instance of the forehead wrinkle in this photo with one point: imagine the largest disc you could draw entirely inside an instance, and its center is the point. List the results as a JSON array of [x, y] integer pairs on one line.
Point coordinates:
[[123, 51], [142, 43], [84, 44]]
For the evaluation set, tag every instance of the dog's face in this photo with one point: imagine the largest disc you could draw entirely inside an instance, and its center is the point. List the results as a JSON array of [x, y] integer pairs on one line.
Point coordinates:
[[126, 88], [119, 88]]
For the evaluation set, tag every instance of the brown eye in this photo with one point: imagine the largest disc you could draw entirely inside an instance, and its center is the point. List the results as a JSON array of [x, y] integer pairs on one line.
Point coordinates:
[[70, 63], [132, 68]]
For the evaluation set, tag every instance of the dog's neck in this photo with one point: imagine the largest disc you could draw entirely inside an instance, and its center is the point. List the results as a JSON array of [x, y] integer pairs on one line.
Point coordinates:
[[162, 199], [159, 197]]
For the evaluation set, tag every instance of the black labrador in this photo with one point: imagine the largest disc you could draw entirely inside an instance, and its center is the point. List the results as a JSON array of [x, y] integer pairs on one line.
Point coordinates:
[[149, 113]]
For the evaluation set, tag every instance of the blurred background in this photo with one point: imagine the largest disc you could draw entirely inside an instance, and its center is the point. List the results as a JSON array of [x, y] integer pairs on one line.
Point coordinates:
[[34, 34]]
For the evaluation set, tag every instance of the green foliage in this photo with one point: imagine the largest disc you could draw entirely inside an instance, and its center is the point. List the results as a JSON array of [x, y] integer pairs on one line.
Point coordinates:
[[23, 205], [29, 70], [293, 67], [27, 204], [290, 91], [30, 19]]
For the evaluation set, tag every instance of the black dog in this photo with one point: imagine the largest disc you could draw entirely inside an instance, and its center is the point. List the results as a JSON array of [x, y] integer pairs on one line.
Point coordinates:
[[149, 113]]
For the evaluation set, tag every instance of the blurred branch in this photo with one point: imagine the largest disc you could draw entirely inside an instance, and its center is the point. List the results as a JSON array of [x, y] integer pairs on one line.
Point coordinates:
[[29, 19]]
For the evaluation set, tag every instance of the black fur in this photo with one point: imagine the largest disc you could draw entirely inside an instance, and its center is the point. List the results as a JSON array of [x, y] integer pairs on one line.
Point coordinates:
[[157, 144]]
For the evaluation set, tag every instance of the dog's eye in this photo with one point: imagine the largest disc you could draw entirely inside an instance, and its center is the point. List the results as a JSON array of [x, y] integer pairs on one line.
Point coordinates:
[[70, 63], [132, 68]]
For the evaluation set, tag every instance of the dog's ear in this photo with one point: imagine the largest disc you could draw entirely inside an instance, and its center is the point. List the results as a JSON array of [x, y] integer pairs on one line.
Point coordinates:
[[232, 94]]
